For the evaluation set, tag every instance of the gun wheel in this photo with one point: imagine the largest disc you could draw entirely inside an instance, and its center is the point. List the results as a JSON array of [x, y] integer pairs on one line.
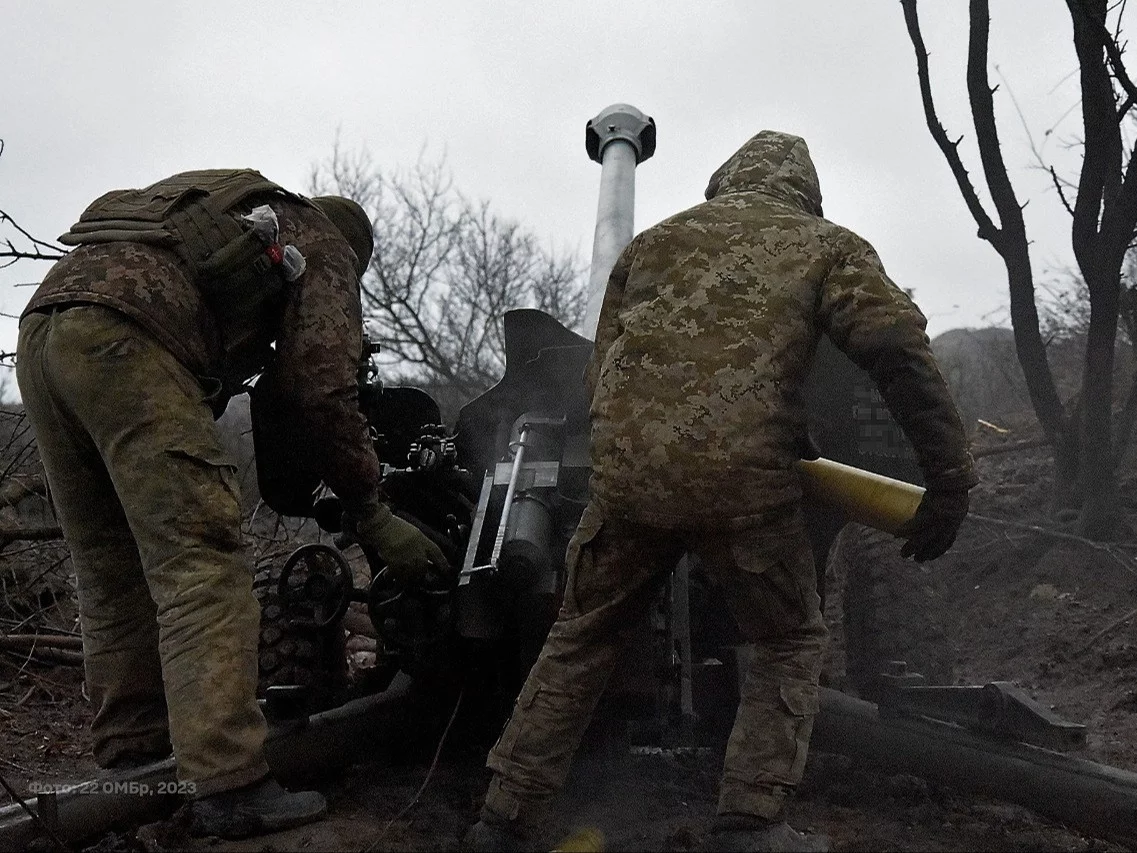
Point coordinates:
[[879, 608], [297, 645]]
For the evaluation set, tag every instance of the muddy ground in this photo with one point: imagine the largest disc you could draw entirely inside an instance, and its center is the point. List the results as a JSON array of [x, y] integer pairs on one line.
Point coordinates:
[[1053, 615]]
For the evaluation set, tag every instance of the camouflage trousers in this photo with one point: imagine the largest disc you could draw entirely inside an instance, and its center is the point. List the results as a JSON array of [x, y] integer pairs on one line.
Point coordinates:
[[614, 569], [148, 503]]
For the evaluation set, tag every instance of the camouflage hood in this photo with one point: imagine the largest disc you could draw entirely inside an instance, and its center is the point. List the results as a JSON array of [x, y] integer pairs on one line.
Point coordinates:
[[776, 164]]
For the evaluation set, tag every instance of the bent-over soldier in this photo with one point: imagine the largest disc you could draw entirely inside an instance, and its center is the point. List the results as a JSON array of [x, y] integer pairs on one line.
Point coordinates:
[[176, 295]]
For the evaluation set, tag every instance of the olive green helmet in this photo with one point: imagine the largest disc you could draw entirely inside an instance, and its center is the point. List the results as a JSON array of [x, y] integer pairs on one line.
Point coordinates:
[[353, 222]]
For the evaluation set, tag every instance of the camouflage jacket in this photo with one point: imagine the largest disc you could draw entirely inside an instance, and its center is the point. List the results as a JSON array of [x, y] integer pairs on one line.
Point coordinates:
[[308, 383], [707, 332]]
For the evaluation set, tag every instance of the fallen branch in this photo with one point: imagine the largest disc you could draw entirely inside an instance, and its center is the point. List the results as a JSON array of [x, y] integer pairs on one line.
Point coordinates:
[[1123, 559], [980, 452], [29, 534], [425, 782], [53, 641], [46, 655], [26, 771], [1069, 537], [1034, 528], [1108, 629]]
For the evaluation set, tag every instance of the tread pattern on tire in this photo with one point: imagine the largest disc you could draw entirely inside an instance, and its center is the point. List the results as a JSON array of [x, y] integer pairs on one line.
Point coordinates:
[[292, 649]]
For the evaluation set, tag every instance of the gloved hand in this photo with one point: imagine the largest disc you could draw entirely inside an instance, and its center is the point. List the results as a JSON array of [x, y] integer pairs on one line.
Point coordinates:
[[933, 528], [409, 554]]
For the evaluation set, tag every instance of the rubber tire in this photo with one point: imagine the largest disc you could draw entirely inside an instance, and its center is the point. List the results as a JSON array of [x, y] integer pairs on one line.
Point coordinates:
[[881, 608], [292, 649]]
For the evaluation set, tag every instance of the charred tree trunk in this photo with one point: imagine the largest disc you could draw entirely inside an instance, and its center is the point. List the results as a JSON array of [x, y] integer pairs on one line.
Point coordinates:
[[1097, 474], [1104, 215], [1128, 315], [1125, 424], [1067, 493], [1029, 346]]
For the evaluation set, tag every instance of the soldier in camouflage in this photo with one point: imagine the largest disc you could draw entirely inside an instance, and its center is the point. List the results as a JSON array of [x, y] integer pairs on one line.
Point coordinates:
[[127, 352], [708, 329]]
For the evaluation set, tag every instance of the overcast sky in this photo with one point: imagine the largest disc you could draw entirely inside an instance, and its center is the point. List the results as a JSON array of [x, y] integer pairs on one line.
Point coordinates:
[[102, 95]]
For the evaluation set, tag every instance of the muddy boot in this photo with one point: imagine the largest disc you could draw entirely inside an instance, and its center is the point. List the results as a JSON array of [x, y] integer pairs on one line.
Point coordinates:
[[494, 836], [753, 834], [254, 810]]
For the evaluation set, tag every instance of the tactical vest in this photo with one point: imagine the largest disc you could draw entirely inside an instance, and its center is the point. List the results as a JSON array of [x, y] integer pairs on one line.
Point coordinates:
[[192, 214]]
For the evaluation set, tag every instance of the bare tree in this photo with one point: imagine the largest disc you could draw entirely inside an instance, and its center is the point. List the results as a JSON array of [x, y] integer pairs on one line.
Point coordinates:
[[16, 244], [444, 272], [1103, 213]]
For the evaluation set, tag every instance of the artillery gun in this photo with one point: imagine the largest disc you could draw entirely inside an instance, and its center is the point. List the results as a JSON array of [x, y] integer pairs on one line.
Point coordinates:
[[520, 453], [501, 494]]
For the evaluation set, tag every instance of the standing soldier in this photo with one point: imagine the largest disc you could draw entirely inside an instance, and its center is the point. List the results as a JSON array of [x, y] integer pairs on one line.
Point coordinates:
[[708, 330], [176, 296]]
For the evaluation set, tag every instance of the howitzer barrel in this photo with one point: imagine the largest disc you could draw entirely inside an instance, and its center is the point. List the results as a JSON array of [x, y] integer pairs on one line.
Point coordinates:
[[1097, 799], [619, 138]]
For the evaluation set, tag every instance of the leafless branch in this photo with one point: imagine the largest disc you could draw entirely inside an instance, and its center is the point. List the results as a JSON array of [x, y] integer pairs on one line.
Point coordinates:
[[1058, 185], [445, 270], [1106, 206], [51, 641], [1110, 42], [41, 250], [426, 780], [1123, 560], [47, 655], [1107, 630], [987, 228], [981, 93], [38, 250]]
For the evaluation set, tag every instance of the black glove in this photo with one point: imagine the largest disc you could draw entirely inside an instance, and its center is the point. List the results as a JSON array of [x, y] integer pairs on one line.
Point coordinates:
[[933, 528]]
